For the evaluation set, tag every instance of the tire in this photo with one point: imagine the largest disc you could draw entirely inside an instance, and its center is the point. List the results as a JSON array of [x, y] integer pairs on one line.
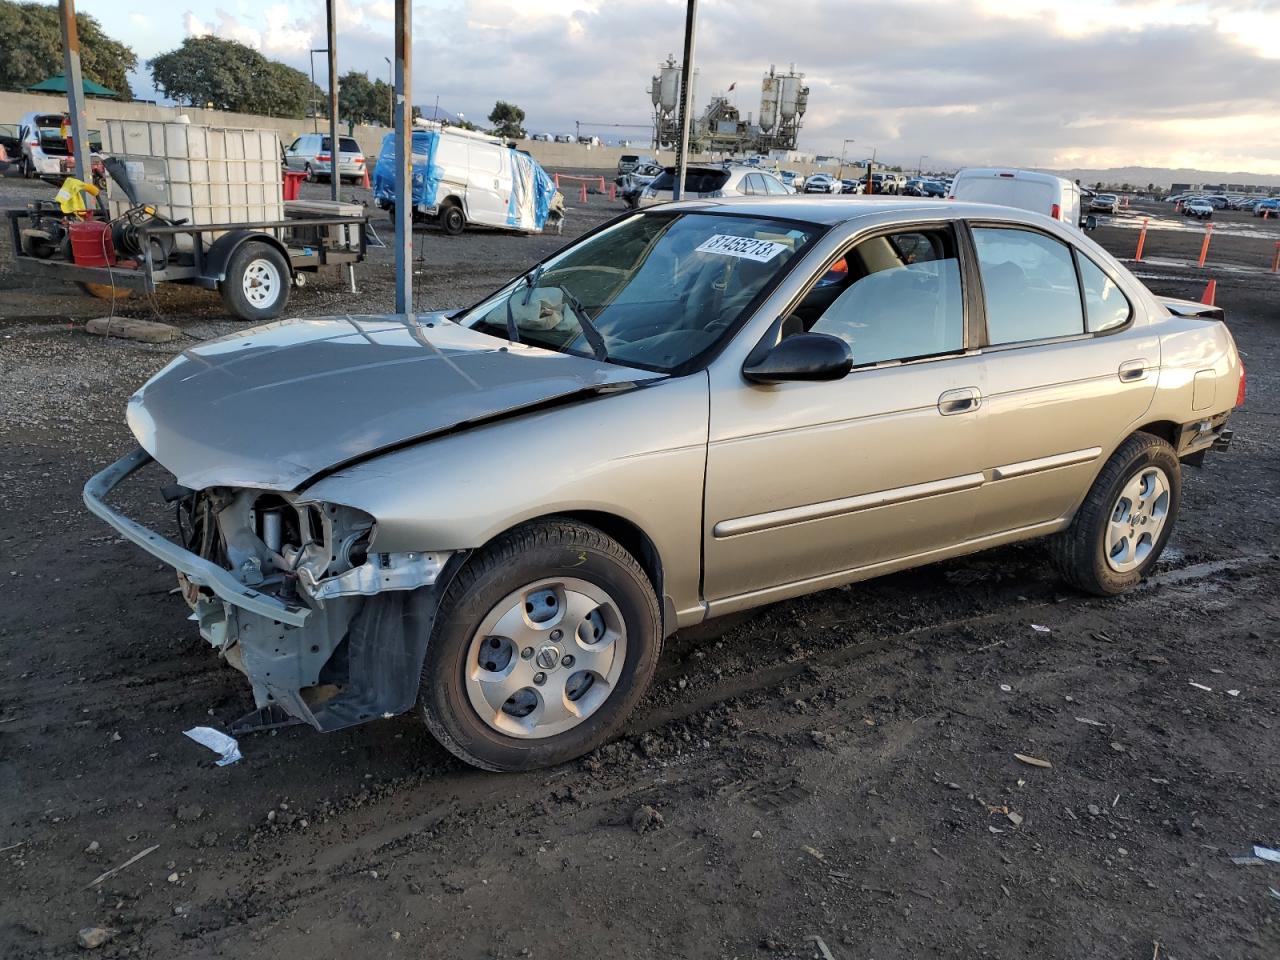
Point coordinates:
[[1081, 552], [544, 554], [256, 287], [311, 174], [104, 291], [452, 219]]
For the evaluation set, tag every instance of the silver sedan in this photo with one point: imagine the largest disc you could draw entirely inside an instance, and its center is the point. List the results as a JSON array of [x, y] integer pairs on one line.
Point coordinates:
[[494, 517]]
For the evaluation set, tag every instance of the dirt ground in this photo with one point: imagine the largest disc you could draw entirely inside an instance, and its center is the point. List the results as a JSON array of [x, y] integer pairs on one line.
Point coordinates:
[[833, 777]]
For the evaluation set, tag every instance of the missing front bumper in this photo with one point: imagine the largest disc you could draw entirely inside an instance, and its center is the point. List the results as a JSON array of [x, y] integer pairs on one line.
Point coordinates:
[[350, 655]]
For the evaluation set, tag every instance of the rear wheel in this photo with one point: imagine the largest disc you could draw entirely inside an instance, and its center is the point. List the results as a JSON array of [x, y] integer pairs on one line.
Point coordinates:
[[452, 220], [1126, 519], [544, 643], [311, 174], [257, 282]]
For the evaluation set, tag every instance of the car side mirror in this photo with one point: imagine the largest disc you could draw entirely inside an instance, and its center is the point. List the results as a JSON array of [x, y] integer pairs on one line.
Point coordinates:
[[802, 356], [1089, 223]]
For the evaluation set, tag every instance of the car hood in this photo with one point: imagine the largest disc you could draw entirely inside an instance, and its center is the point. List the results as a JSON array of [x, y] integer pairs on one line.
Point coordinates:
[[278, 404]]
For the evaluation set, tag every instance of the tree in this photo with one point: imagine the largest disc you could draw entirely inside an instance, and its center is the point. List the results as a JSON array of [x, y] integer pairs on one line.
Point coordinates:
[[507, 120], [227, 75], [31, 38], [363, 101]]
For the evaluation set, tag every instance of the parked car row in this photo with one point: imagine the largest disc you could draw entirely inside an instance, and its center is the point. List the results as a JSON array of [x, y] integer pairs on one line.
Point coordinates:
[[1258, 206], [39, 144]]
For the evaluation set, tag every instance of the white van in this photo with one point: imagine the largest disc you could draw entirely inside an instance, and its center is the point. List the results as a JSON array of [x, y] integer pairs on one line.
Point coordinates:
[[1025, 189], [463, 178]]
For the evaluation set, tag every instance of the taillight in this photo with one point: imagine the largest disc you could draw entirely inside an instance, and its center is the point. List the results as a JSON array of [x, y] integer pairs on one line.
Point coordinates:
[[1240, 389], [1056, 212], [322, 157]]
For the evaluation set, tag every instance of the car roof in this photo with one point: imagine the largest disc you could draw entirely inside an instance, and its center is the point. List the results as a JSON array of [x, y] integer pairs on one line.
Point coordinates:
[[829, 211]]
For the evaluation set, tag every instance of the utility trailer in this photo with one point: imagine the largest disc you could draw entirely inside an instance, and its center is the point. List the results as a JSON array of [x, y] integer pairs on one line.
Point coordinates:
[[251, 264]]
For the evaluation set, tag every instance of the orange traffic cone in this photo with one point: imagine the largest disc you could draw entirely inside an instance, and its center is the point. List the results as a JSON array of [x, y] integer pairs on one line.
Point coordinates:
[[582, 197], [1210, 291], [367, 184]]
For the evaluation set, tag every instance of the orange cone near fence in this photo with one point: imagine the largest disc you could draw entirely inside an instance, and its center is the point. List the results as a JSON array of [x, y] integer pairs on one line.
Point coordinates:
[[582, 197], [368, 185], [1210, 291]]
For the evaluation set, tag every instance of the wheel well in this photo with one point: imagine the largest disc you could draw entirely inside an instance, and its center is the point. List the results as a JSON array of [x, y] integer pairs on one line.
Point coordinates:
[[450, 201], [1166, 430], [634, 540]]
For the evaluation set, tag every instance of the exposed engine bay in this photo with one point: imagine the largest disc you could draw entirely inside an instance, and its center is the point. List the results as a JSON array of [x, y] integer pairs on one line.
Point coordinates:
[[357, 654]]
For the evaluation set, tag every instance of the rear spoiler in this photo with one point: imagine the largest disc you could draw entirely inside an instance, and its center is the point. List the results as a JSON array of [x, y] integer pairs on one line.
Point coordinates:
[[1193, 308]]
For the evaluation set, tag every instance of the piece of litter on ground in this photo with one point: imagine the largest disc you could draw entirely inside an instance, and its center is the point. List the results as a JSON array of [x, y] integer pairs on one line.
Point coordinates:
[[1274, 892], [1266, 853], [1034, 761], [1200, 686], [1092, 723], [1005, 688], [1014, 818], [814, 852], [114, 870], [818, 942], [217, 741], [1248, 861], [1233, 693], [1040, 629]]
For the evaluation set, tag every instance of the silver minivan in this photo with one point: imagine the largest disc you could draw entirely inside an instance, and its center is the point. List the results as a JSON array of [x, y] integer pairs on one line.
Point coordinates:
[[312, 155]]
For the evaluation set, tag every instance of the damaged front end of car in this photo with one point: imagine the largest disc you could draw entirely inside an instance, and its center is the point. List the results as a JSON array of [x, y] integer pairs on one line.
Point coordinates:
[[288, 590]]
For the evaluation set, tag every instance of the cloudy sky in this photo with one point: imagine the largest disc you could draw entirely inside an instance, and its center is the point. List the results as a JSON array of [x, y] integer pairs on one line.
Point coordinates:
[[1058, 83]]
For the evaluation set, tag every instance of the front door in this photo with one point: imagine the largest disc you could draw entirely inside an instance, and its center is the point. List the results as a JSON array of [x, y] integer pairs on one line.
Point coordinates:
[[488, 184], [809, 482]]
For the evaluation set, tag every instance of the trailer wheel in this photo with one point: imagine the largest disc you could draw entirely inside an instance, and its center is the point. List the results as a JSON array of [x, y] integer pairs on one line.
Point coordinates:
[[104, 291], [257, 282], [452, 220]]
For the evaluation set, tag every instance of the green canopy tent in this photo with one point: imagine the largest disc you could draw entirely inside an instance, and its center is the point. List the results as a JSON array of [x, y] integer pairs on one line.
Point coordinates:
[[58, 84]]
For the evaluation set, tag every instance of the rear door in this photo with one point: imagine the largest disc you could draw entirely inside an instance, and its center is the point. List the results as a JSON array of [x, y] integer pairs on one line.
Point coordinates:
[[1067, 373]]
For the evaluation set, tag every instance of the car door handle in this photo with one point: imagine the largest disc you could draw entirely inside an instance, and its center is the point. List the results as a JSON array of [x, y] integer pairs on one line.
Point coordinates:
[[1132, 370], [962, 400]]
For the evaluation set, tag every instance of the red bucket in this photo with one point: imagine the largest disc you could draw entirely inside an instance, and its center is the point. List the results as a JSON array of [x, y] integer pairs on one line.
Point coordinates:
[[91, 244], [292, 182]]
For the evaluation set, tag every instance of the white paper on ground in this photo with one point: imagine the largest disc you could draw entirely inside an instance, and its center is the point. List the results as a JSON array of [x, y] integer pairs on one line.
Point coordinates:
[[218, 742]]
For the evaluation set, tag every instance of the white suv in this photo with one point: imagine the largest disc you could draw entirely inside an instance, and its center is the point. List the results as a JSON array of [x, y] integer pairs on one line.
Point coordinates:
[[714, 180]]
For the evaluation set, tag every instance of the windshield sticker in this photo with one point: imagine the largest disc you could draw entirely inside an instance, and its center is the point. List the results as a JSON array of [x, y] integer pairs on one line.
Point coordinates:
[[744, 248]]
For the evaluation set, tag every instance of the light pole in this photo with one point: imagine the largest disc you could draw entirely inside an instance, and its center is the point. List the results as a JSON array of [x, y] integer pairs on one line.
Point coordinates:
[[843, 149], [391, 91], [315, 122], [686, 98], [335, 143], [404, 157], [920, 164]]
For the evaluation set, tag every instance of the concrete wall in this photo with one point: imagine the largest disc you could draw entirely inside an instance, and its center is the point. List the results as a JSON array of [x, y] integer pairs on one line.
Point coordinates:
[[552, 156]]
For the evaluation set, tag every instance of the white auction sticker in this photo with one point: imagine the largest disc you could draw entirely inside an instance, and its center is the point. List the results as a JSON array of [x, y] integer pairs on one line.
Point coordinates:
[[746, 248]]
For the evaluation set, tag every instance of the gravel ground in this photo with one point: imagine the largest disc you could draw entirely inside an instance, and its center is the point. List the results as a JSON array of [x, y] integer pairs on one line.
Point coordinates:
[[829, 777]]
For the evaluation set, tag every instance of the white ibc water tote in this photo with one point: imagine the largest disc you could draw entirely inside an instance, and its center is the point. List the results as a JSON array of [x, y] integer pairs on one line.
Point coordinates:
[[198, 173]]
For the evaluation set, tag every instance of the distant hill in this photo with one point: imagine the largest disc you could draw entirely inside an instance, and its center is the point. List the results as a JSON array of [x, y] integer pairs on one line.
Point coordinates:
[[1164, 176]]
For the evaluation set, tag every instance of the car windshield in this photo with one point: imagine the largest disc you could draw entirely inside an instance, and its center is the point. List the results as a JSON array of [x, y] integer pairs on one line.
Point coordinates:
[[655, 290]]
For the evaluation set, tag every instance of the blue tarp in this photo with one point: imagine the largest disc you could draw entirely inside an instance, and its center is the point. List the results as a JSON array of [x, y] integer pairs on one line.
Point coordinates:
[[532, 189]]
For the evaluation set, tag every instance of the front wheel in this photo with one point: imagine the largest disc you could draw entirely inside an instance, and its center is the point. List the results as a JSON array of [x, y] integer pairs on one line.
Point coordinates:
[[1126, 519], [544, 643], [256, 286]]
